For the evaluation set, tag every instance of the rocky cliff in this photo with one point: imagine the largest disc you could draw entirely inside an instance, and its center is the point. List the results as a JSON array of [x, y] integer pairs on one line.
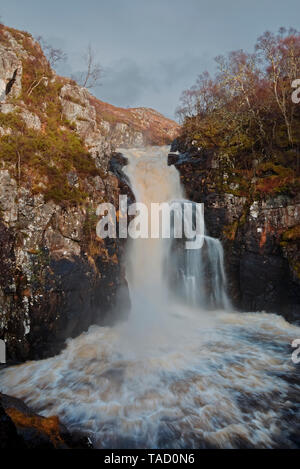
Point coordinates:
[[56, 140], [259, 227]]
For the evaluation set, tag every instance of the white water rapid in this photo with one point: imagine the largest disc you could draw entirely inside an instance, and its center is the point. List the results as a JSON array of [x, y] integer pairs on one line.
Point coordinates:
[[185, 370]]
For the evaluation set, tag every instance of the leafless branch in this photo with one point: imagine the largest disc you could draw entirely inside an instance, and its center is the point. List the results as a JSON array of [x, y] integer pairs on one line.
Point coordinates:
[[92, 75], [34, 85], [54, 55]]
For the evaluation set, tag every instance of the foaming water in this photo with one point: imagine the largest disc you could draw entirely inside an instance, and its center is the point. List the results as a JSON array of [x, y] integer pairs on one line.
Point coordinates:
[[184, 371]]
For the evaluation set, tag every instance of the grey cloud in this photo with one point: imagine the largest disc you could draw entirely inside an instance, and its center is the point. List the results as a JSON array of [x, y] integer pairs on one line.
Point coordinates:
[[150, 50], [124, 83]]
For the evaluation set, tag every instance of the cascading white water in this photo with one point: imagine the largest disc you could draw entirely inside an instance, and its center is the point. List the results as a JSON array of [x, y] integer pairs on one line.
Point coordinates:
[[184, 371], [199, 275], [163, 268]]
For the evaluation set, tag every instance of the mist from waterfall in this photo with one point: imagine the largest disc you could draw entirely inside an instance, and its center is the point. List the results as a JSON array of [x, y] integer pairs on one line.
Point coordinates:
[[184, 370]]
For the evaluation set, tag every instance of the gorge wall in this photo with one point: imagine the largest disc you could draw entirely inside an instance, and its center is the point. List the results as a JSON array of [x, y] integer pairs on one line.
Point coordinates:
[[260, 229], [56, 142]]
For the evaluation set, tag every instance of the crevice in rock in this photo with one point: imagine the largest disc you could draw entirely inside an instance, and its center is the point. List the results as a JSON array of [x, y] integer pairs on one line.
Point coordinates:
[[11, 83]]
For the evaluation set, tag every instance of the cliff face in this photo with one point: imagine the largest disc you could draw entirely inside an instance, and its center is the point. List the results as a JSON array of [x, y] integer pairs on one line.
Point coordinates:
[[259, 230], [56, 276]]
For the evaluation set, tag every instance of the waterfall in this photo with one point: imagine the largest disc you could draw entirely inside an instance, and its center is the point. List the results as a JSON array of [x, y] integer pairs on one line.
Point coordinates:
[[165, 267], [184, 371], [199, 276]]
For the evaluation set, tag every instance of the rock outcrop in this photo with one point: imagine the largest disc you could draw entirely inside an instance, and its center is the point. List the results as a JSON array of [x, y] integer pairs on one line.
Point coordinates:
[[260, 231], [21, 428], [104, 127]]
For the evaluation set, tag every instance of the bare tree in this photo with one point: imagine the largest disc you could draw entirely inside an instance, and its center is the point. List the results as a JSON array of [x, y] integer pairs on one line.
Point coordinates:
[[241, 78], [281, 53], [92, 75], [54, 55]]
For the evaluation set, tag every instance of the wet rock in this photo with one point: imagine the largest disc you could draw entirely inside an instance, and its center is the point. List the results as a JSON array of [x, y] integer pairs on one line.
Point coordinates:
[[116, 164], [21, 428], [9, 437]]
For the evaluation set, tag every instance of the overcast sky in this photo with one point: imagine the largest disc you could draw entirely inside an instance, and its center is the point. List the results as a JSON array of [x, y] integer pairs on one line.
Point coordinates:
[[150, 49]]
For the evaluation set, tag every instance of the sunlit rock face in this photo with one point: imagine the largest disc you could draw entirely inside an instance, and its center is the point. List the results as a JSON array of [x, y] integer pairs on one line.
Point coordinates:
[[105, 127]]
